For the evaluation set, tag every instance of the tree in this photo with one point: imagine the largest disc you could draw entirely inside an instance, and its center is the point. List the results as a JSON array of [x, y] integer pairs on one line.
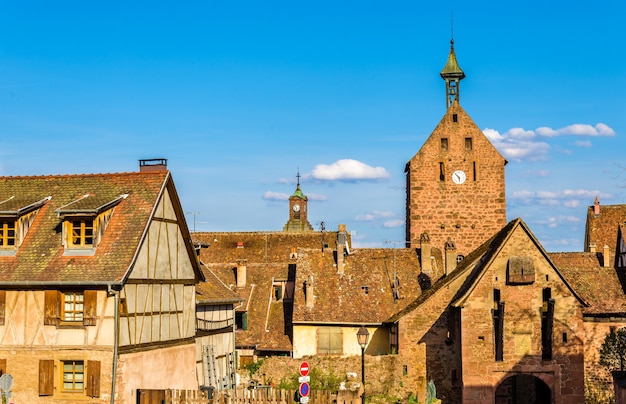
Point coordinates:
[[613, 350]]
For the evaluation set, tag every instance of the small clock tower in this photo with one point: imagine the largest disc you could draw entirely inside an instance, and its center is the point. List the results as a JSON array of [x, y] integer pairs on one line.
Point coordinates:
[[455, 182], [298, 211]]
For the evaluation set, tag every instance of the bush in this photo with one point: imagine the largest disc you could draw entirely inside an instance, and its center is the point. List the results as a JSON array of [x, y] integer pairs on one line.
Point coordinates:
[[613, 350]]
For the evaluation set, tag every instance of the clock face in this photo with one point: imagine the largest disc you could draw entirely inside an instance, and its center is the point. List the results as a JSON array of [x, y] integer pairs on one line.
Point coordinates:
[[296, 208], [458, 177]]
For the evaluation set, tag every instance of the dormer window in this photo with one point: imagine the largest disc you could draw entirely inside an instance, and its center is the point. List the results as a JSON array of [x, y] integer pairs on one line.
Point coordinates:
[[7, 233], [84, 222], [16, 216], [81, 232]]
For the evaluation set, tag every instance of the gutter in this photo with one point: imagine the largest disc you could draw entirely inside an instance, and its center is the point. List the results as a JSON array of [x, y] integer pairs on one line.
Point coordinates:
[[116, 340]]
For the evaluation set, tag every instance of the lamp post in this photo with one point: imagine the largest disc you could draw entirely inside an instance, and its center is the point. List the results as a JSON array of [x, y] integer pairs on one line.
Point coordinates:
[[362, 336]]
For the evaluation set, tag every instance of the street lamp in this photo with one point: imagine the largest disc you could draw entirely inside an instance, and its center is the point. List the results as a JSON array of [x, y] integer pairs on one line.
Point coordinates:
[[362, 336]]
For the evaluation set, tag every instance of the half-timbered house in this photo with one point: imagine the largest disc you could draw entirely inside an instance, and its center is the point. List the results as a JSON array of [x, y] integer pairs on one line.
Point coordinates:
[[97, 286]]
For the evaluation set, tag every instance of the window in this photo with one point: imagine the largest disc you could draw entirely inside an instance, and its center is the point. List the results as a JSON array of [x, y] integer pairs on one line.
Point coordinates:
[[70, 308], [498, 325], [468, 143], [73, 376], [444, 144], [455, 118], [547, 324], [241, 320], [329, 341], [73, 306], [442, 174], [80, 233], [459, 258], [7, 233]]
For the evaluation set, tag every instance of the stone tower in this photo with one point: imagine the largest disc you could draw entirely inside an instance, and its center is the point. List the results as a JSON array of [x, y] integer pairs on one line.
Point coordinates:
[[298, 210], [455, 183]]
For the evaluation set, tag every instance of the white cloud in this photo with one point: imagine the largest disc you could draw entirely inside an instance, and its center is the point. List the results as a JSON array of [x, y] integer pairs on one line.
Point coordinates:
[[518, 144], [577, 129], [347, 170], [569, 198], [583, 143], [394, 223], [275, 196], [374, 215], [316, 197]]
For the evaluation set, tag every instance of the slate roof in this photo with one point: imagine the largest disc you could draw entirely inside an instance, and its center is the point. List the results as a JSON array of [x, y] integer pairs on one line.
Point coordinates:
[[40, 261], [364, 293], [602, 229]]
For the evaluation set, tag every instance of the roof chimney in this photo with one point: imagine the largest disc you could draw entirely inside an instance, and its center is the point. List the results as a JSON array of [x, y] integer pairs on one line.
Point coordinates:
[[341, 247], [605, 256], [592, 247], [596, 206], [241, 273], [425, 261], [151, 165]]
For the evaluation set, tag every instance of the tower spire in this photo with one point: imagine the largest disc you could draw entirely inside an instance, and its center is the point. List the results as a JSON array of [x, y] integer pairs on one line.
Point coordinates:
[[452, 74]]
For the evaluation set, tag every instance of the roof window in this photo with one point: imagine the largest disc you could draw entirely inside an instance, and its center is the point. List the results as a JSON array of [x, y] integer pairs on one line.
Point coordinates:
[[84, 222], [16, 216]]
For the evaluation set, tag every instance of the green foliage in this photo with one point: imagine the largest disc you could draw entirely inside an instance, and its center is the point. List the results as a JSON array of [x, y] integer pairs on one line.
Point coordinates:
[[412, 399], [254, 367], [320, 380], [597, 394], [613, 350]]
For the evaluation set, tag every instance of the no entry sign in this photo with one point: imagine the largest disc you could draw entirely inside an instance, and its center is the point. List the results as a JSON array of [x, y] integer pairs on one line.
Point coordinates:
[[304, 369]]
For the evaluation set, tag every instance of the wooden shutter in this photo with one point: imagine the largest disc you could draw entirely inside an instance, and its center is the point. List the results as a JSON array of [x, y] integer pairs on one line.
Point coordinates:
[[46, 377], [3, 301], [3, 366], [51, 309], [89, 315], [93, 379]]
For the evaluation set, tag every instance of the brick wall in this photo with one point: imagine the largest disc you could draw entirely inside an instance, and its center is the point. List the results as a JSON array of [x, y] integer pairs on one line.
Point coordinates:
[[468, 213]]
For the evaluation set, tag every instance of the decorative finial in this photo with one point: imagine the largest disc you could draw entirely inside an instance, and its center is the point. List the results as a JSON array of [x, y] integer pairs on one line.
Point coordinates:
[[298, 176]]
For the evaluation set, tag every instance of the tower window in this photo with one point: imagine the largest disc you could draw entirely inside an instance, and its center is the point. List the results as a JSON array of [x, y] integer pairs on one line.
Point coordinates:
[[474, 170], [444, 144], [468, 143], [442, 176], [455, 118]]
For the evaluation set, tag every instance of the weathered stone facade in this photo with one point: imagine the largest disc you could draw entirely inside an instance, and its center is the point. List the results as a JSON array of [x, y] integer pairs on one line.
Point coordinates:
[[442, 203]]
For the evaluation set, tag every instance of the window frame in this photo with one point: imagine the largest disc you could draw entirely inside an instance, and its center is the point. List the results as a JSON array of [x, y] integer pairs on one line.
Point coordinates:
[[77, 316], [74, 372], [81, 235], [4, 236]]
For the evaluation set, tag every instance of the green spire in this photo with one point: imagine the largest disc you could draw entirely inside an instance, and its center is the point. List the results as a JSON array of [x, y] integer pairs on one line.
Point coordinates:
[[452, 74], [298, 191]]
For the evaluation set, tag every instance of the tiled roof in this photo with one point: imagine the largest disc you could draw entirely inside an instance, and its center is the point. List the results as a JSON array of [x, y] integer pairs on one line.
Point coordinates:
[[364, 292], [268, 257], [602, 287], [213, 290], [602, 229], [40, 259]]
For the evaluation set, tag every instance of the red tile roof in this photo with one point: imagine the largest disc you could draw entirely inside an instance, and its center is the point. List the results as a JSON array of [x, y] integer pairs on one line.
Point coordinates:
[[40, 260]]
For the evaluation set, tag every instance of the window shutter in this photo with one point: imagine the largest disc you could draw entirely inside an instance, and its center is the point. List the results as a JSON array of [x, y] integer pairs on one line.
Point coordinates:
[[93, 378], [3, 301], [3, 366], [51, 311], [89, 315], [46, 377]]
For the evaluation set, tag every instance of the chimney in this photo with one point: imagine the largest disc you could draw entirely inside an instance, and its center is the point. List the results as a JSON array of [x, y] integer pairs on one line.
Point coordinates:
[[241, 273], [605, 256], [425, 261], [596, 207], [309, 297], [151, 165], [450, 256], [592, 247], [341, 245]]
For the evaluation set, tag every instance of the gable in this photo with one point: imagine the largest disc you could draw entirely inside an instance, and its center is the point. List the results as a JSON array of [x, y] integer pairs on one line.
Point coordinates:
[[455, 126], [165, 252]]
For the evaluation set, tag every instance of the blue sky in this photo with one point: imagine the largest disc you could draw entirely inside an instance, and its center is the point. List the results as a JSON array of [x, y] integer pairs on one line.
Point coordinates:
[[240, 95]]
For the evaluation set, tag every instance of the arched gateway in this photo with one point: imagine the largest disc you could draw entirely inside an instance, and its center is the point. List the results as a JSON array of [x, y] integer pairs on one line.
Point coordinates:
[[523, 389]]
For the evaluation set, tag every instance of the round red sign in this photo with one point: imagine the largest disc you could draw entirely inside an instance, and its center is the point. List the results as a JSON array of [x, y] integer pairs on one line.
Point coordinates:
[[304, 369]]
